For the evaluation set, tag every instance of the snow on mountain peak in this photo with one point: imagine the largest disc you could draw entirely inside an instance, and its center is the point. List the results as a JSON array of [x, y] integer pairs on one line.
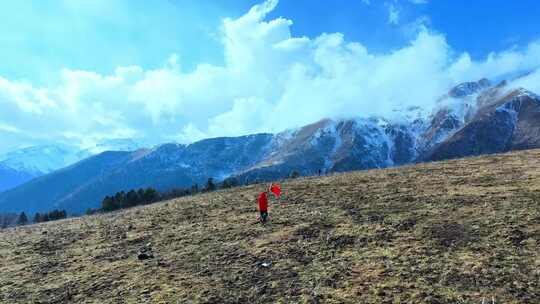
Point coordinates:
[[39, 160], [468, 88], [118, 144], [43, 159], [521, 92]]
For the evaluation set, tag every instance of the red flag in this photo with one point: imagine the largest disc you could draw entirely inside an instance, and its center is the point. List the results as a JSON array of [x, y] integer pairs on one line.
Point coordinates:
[[276, 189]]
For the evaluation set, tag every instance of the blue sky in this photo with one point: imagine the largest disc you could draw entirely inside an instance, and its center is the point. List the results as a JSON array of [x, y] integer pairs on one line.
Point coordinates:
[[40, 37], [181, 70], [478, 27]]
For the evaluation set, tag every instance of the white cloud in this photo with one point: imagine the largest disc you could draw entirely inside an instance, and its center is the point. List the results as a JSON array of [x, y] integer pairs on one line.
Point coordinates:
[[530, 82], [419, 1], [8, 128], [270, 81], [393, 14], [498, 64]]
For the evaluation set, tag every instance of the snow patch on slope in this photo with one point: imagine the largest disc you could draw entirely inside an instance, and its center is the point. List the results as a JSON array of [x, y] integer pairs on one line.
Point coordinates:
[[334, 133], [119, 144], [512, 107], [526, 93]]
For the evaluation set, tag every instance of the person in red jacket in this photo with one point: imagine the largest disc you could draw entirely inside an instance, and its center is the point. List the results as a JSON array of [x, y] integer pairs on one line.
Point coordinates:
[[263, 206]]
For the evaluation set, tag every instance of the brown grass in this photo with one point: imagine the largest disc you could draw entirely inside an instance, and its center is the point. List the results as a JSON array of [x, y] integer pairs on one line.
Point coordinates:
[[452, 232]]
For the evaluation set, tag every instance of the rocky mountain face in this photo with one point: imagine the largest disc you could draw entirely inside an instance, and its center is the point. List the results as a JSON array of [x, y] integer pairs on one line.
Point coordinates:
[[509, 122], [468, 88], [336, 146], [472, 118]]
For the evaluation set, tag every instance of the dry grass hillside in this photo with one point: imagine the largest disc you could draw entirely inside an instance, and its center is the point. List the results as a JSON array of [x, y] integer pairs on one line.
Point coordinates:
[[463, 231]]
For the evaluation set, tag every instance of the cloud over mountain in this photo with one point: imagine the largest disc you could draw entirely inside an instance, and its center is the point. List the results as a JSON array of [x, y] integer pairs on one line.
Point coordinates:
[[270, 81]]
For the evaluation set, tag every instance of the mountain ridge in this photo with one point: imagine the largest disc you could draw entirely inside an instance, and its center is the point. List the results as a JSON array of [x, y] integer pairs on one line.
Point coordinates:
[[480, 120], [22, 165]]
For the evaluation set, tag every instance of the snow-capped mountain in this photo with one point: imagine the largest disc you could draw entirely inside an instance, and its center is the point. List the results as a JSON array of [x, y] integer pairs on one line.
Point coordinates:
[[471, 119], [337, 145], [39, 160], [509, 121], [21, 165], [469, 88]]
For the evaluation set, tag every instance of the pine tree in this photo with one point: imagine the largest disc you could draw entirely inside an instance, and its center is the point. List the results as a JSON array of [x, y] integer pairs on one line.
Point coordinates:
[[22, 220], [37, 218], [3, 221], [150, 196], [210, 186], [120, 199], [140, 194], [108, 204], [132, 199], [57, 215], [229, 183], [53, 215], [295, 174]]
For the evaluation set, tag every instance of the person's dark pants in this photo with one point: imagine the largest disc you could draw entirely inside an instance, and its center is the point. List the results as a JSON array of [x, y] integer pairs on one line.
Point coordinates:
[[264, 216]]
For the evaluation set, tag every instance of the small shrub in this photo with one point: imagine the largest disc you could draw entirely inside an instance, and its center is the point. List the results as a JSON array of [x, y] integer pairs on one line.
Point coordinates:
[[229, 182], [295, 174], [446, 234]]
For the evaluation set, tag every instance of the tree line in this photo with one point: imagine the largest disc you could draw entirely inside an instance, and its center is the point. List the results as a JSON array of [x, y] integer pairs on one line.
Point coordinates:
[[132, 198], [119, 200], [21, 219], [50, 216], [123, 199], [138, 197]]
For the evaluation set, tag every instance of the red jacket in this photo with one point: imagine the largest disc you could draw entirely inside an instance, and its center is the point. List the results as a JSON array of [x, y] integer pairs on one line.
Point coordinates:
[[263, 202]]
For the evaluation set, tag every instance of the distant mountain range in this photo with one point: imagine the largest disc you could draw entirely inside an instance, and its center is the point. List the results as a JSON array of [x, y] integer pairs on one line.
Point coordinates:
[[10, 178], [472, 118], [21, 165]]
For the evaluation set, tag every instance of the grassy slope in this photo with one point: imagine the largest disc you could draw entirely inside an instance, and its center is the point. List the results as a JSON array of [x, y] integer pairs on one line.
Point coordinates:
[[451, 232]]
